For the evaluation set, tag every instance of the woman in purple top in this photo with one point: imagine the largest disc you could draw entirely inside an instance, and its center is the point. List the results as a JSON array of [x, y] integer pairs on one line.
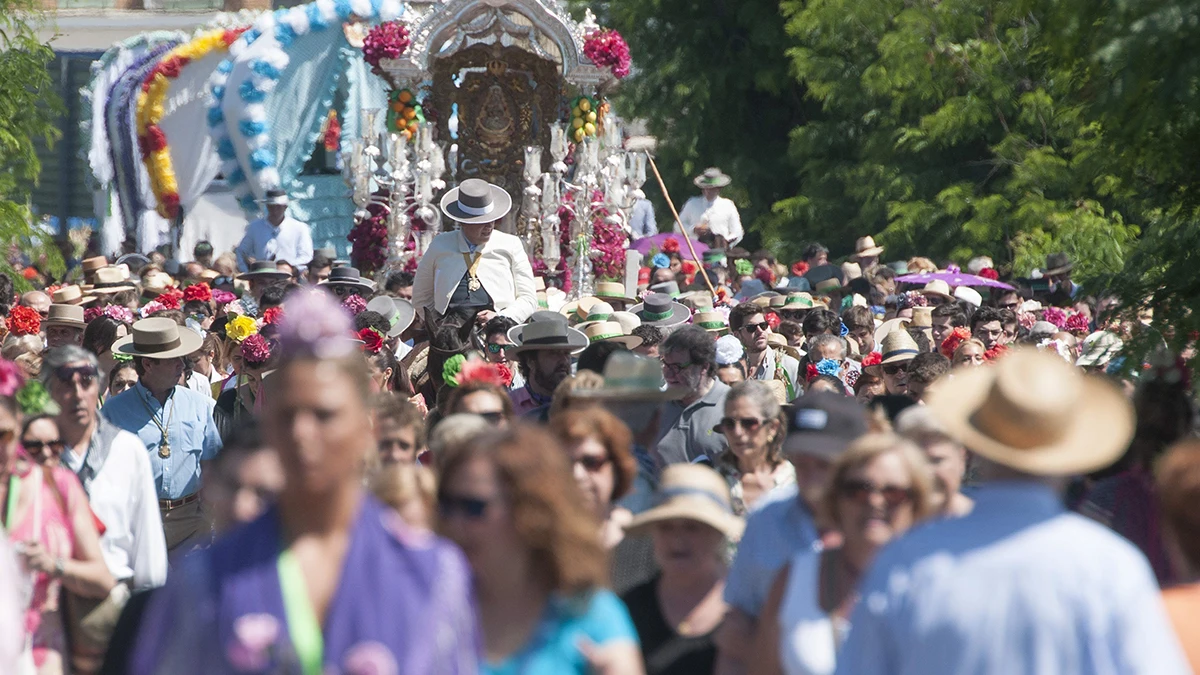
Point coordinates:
[[328, 581]]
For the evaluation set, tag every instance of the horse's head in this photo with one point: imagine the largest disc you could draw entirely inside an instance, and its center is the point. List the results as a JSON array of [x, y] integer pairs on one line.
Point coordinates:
[[450, 334]]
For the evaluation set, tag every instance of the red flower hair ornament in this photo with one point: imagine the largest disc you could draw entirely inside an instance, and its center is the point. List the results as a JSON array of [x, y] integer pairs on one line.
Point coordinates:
[[478, 370], [24, 321], [372, 340]]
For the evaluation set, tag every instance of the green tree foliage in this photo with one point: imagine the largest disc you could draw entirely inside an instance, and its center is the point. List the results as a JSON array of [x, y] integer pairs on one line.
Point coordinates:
[[712, 81], [27, 99], [949, 131]]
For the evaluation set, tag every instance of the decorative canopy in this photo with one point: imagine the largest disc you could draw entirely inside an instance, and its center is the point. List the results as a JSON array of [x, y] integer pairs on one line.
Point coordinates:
[[541, 27]]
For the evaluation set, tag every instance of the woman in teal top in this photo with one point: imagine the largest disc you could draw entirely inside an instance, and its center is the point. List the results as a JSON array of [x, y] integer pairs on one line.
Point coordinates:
[[510, 501]]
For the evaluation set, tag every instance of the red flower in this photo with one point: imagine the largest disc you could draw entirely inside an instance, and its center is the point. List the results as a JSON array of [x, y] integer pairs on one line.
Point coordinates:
[[200, 291], [799, 269], [953, 340], [24, 321], [689, 267], [272, 315], [372, 340], [171, 298], [606, 48], [29, 273], [386, 41], [670, 245], [333, 133], [989, 273], [773, 320], [256, 350], [872, 359], [995, 352], [478, 370], [153, 140], [811, 372], [170, 203]]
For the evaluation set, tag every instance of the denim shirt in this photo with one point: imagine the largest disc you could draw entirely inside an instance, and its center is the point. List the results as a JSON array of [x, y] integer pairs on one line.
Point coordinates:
[[192, 434]]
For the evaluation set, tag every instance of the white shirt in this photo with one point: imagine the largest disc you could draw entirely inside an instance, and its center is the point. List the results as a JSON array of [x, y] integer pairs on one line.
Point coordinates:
[[1017, 586], [721, 215], [123, 497], [291, 241], [807, 637]]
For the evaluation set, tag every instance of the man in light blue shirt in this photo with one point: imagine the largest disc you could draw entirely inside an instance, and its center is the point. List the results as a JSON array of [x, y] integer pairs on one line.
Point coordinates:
[[175, 424], [1019, 585], [820, 427], [276, 237], [641, 218]]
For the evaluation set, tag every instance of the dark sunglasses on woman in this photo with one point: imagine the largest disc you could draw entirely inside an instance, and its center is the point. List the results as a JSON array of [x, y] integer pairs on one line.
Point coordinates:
[[750, 424], [471, 508], [860, 491]]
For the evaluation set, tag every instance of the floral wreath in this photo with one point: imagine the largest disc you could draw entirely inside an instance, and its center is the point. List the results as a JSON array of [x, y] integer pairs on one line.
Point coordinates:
[[956, 337], [460, 370], [152, 141], [256, 350]]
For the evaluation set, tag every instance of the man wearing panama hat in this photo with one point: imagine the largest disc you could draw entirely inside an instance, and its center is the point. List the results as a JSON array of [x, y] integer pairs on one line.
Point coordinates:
[[711, 217], [1019, 585], [277, 236], [64, 325], [175, 424], [543, 349], [476, 269]]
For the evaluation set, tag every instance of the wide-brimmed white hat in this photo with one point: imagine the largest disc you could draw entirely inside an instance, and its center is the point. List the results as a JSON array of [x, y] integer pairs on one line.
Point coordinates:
[[937, 287], [692, 492], [712, 178], [157, 338], [898, 346], [476, 201], [610, 331], [865, 246], [71, 295], [1033, 412]]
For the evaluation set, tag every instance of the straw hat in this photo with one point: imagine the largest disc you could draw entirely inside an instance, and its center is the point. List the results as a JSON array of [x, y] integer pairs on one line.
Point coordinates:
[[865, 246], [90, 265], [898, 346], [157, 338], [155, 284], [597, 311], [610, 331], [629, 377], [111, 279], [1033, 412], [713, 322], [65, 315], [577, 309], [1098, 349], [939, 288], [888, 326], [71, 295], [476, 201], [798, 301], [613, 290], [852, 271], [968, 295], [922, 317], [698, 301], [628, 321], [692, 492]]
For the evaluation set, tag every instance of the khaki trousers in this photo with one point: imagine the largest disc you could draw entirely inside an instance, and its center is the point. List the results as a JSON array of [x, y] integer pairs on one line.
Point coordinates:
[[187, 527]]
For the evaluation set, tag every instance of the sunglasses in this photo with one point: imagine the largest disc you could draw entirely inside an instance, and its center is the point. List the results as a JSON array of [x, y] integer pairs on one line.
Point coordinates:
[[677, 367], [496, 348], [860, 491], [755, 327], [471, 508], [592, 463], [794, 314], [87, 374], [36, 447], [893, 369], [750, 424]]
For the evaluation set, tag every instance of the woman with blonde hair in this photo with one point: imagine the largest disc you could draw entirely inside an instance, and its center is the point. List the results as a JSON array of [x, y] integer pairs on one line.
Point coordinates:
[[877, 489], [969, 354], [509, 501]]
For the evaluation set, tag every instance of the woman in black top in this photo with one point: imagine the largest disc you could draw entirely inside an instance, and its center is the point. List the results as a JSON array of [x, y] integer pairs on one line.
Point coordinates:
[[677, 612]]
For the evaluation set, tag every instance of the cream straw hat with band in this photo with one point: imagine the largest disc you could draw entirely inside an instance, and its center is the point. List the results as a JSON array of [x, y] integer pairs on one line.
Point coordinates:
[[691, 492], [610, 331], [158, 338]]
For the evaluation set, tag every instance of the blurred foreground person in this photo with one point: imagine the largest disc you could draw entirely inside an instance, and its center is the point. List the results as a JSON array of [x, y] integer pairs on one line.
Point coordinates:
[[304, 587], [677, 612], [247, 478], [509, 500], [1179, 491], [1019, 585], [876, 491]]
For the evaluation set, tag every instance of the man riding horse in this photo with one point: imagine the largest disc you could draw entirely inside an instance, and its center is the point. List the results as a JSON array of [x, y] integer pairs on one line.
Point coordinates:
[[470, 275]]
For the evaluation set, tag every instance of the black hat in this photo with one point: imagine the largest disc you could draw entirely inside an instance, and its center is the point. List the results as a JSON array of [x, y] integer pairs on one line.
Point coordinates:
[[349, 276], [823, 424]]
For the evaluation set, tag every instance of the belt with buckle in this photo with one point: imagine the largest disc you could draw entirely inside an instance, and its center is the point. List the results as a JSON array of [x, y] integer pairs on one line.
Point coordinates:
[[169, 504]]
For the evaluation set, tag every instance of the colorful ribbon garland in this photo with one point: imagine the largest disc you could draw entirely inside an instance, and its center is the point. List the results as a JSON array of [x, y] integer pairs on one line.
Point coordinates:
[[152, 142]]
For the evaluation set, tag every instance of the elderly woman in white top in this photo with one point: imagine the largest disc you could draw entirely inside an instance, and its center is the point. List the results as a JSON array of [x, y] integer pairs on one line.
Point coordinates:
[[754, 431], [877, 490]]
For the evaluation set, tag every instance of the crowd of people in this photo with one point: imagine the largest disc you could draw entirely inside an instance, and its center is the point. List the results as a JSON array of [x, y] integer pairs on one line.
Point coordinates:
[[253, 464]]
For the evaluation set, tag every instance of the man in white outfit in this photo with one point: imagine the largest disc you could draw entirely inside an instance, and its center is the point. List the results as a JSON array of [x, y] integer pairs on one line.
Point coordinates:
[[712, 218], [476, 268], [277, 237]]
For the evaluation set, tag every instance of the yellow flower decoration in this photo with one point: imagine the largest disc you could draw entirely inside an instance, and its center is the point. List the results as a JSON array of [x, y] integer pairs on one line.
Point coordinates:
[[241, 327]]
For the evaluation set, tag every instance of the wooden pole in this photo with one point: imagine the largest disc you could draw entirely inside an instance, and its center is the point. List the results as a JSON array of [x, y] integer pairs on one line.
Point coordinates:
[[679, 224]]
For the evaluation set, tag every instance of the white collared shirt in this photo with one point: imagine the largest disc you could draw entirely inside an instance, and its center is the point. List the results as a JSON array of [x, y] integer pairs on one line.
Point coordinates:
[[123, 497], [1017, 586], [721, 215], [290, 242]]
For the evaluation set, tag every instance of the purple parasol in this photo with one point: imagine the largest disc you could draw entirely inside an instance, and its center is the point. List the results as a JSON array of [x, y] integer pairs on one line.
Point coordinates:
[[954, 279], [644, 245]]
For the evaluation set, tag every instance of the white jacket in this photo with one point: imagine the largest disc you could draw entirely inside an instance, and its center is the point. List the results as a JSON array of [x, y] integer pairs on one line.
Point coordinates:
[[504, 271]]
